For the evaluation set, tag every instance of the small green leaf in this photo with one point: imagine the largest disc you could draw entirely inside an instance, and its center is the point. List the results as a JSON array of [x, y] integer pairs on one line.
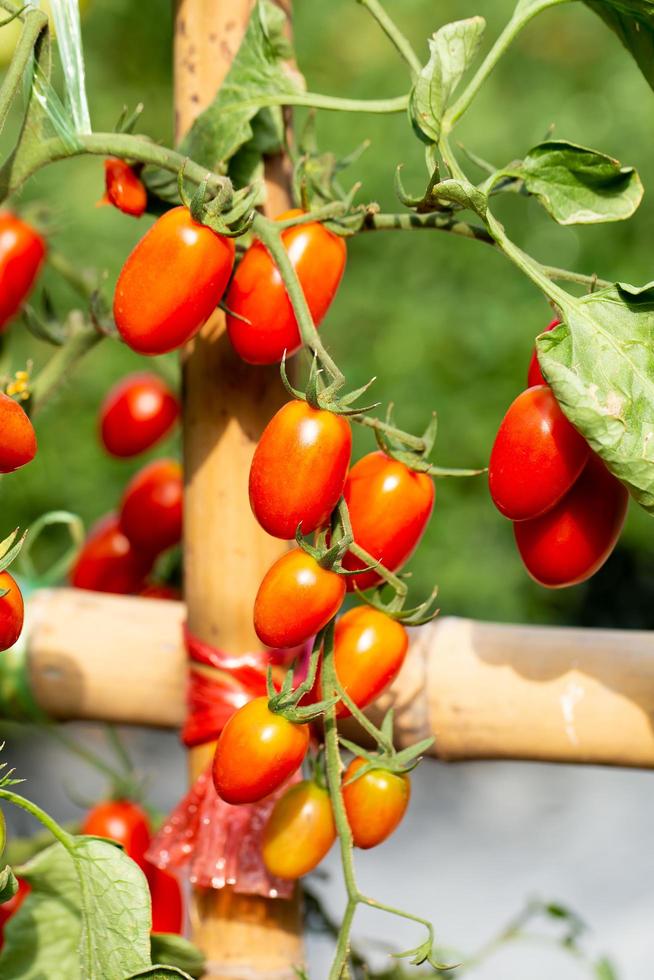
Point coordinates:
[[8, 884], [451, 50], [173, 950], [600, 364], [577, 185], [633, 22]]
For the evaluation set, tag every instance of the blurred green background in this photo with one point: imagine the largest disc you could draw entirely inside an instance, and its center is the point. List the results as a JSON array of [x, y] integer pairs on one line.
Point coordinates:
[[442, 322]]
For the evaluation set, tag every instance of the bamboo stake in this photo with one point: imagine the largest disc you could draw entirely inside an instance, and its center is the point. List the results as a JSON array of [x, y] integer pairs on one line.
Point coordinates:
[[484, 690], [226, 406]]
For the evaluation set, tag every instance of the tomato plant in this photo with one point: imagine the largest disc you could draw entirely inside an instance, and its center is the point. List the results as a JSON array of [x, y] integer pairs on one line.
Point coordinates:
[[137, 412], [108, 562], [123, 188], [11, 611], [299, 469], [151, 509], [261, 323], [17, 436], [375, 802], [299, 832], [256, 753], [171, 283], [22, 251]]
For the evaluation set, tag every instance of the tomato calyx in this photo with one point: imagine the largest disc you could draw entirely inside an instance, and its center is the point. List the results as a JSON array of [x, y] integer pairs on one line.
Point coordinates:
[[286, 701], [321, 396], [226, 211], [385, 757]]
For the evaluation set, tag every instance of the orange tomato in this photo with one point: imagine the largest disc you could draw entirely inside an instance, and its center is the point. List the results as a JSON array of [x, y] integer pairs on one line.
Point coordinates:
[[369, 649], [22, 251], [299, 832], [374, 803], [151, 509], [17, 436], [123, 188], [12, 611]]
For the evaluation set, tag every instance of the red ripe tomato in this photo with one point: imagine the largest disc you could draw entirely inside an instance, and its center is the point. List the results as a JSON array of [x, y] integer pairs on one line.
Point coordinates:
[[536, 457], [158, 590], [167, 902], [390, 506], [108, 562], [137, 412], [299, 469], [151, 510], [374, 803], [123, 821], [12, 612], [171, 283], [7, 909], [369, 649], [123, 188], [295, 600], [299, 832], [17, 437], [256, 753], [22, 251], [258, 295], [572, 541], [534, 374]]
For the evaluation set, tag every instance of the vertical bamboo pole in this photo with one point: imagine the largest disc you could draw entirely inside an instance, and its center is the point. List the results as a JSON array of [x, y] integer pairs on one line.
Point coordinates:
[[226, 406]]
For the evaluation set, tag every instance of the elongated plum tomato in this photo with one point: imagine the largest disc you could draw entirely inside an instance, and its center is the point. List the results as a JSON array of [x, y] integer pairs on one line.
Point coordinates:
[[151, 509], [369, 649], [171, 283], [8, 909], [12, 611], [295, 600], [374, 803], [572, 541], [299, 832], [256, 753], [22, 251], [534, 374], [167, 902], [108, 562], [123, 188], [265, 325], [298, 469], [137, 412], [536, 457], [390, 506], [17, 436], [123, 821]]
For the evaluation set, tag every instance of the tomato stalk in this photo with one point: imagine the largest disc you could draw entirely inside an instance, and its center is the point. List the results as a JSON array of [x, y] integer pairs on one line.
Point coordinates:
[[58, 369], [395, 35], [35, 22]]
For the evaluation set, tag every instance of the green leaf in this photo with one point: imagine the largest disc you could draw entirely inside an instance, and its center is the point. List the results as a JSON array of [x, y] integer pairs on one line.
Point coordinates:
[[600, 364], [172, 950], [604, 970], [8, 884], [633, 22], [576, 185], [257, 72], [160, 973], [87, 916], [451, 50]]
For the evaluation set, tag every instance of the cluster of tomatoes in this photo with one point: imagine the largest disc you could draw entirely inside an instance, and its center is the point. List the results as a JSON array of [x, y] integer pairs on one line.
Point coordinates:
[[121, 549], [568, 510], [127, 823]]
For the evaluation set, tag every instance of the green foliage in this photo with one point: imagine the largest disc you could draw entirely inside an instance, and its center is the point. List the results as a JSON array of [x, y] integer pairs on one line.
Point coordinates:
[[172, 950], [8, 884], [633, 22]]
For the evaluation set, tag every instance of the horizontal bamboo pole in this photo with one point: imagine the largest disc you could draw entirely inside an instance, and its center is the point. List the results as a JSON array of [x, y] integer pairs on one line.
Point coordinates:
[[485, 691]]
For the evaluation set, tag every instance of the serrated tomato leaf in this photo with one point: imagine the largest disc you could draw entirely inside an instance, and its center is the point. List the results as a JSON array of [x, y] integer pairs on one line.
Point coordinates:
[[577, 185], [633, 22], [451, 50], [87, 916], [600, 364]]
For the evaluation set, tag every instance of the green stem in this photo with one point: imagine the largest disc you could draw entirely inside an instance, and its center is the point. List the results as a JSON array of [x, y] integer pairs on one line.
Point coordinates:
[[413, 442], [58, 832], [449, 158], [34, 23], [57, 371], [78, 279], [565, 275], [519, 19], [268, 233], [393, 33], [375, 733], [334, 210], [314, 100], [531, 268]]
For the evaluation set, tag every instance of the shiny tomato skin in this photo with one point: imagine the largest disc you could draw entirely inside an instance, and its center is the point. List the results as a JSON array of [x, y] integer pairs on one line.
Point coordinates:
[[12, 611], [136, 413], [256, 753], [151, 509], [123, 821], [534, 374], [22, 251], [369, 649], [572, 541], [17, 436], [7, 909], [295, 600], [299, 832], [257, 292], [167, 901], [108, 562], [390, 506], [374, 803], [123, 188], [299, 469], [536, 457], [171, 283]]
